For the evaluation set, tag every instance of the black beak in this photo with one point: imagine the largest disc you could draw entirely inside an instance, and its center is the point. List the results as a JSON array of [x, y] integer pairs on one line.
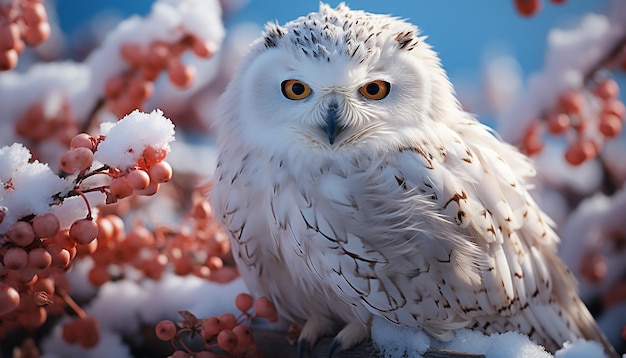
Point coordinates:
[[332, 129]]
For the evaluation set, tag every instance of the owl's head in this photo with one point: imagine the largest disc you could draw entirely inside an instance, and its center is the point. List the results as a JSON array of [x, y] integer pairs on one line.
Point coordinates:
[[335, 79]]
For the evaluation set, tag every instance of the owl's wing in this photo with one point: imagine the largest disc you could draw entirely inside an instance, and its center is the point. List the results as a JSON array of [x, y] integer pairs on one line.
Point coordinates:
[[463, 244]]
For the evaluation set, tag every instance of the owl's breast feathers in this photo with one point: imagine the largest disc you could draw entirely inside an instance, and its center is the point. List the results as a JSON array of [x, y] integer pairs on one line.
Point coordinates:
[[433, 235]]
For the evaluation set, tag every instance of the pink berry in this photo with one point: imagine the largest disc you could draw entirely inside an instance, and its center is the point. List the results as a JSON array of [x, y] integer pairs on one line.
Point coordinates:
[[210, 328], [8, 59], [82, 140], [165, 330], [120, 188], [138, 179], [244, 302], [39, 258], [244, 335], [83, 231], [160, 172], [21, 233], [558, 123], [263, 307], [227, 340], [180, 74], [607, 89], [15, 258], [227, 320], [610, 125], [580, 151], [83, 157], [571, 102], [9, 299], [46, 225]]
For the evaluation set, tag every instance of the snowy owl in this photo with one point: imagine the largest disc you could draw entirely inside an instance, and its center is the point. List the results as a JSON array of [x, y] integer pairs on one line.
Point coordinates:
[[353, 185]]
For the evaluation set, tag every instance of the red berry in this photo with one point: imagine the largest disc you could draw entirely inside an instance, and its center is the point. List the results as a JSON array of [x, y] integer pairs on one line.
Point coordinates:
[[160, 172], [120, 188], [570, 102], [594, 266], [83, 231], [610, 125], [39, 258], [82, 140], [138, 179], [70, 332], [244, 302], [46, 225], [607, 89], [21, 233], [180, 74], [227, 340], [244, 335], [15, 258], [210, 328], [99, 275], [527, 7], [263, 307], [614, 106], [83, 157], [227, 320], [9, 299], [165, 330], [580, 151], [88, 332], [558, 123]]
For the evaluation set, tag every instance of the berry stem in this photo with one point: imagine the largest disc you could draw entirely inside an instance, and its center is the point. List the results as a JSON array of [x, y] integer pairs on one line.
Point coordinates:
[[69, 301]]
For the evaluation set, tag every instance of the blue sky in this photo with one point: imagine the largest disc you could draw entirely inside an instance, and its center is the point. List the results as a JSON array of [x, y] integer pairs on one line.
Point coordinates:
[[461, 31]]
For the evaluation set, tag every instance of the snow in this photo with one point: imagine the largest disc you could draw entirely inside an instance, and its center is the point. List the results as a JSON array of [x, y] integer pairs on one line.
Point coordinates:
[[169, 21], [570, 54], [25, 188], [394, 341], [126, 139], [123, 306]]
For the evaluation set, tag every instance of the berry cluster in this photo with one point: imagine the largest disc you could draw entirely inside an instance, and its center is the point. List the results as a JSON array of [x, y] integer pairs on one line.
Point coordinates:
[[144, 178], [35, 254], [38, 125], [20, 20], [222, 335], [587, 117], [128, 90], [199, 247], [530, 7]]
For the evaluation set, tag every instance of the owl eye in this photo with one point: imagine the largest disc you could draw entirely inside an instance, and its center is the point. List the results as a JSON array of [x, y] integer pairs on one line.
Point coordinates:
[[294, 89], [375, 90]]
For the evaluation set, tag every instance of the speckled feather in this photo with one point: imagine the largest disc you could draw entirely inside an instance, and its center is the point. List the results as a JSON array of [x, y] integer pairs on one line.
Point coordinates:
[[416, 213]]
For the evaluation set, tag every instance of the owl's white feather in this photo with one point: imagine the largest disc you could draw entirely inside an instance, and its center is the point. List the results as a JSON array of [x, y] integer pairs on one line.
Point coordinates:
[[340, 207]]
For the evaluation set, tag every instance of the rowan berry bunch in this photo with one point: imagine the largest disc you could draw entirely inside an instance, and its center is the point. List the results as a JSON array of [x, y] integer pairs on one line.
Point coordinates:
[[587, 118], [37, 124], [20, 21], [36, 249], [35, 254], [128, 90], [225, 335], [531, 7], [199, 247]]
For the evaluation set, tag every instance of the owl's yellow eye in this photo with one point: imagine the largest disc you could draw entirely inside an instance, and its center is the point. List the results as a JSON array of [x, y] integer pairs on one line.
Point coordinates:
[[294, 89], [375, 90]]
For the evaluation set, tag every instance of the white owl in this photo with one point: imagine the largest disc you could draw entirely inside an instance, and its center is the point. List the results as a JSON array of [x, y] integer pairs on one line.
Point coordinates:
[[352, 184]]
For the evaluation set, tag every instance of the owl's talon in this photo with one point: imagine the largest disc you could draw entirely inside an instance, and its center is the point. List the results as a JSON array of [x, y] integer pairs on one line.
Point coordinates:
[[302, 343], [333, 346]]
